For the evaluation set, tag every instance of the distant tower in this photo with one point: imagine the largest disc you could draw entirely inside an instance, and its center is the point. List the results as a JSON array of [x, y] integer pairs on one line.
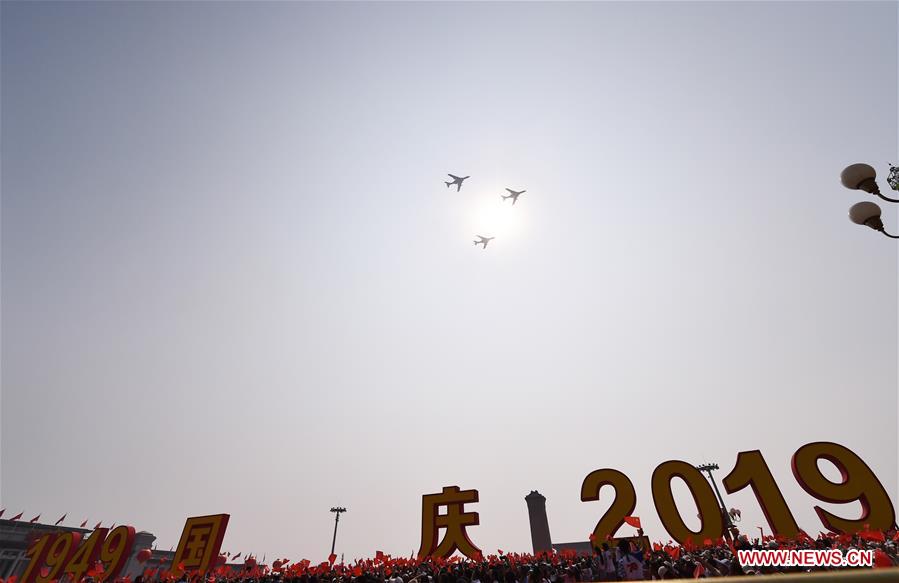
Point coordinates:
[[539, 524]]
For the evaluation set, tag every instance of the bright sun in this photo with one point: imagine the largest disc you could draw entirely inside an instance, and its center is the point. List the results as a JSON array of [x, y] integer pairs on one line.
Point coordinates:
[[494, 217]]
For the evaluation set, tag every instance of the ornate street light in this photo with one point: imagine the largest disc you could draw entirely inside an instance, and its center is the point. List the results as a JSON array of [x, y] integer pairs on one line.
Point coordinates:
[[863, 177]]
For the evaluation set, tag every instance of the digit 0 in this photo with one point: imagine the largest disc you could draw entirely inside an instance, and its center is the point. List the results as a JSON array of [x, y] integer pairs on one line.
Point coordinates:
[[115, 551], [58, 555], [710, 514], [622, 505], [858, 484], [751, 470]]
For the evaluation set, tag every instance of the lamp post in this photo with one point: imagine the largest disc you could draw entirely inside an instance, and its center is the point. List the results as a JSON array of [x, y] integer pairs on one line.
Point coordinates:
[[863, 177], [336, 510], [707, 468]]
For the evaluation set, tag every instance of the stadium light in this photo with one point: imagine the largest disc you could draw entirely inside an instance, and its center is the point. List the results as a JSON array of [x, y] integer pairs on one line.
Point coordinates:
[[708, 468], [336, 510], [864, 177]]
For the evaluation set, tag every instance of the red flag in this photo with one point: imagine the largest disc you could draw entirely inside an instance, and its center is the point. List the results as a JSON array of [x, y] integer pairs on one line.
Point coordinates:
[[17, 516], [881, 559], [331, 558], [235, 556], [633, 521], [96, 526], [96, 570], [698, 571], [35, 519], [61, 518], [873, 535], [2, 510], [83, 524]]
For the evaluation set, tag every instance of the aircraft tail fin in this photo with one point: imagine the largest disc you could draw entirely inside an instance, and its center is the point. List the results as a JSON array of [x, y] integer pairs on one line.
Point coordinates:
[[448, 184]]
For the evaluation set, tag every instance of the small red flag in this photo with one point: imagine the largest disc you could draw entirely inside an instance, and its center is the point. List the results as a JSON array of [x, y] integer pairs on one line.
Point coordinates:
[[881, 559], [331, 558], [633, 521], [96, 570], [872, 535], [96, 526], [35, 519], [235, 556], [83, 524], [61, 518], [17, 516], [698, 571]]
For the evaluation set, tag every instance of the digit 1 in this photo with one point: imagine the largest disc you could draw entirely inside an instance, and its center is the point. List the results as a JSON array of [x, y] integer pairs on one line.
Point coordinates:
[[36, 554], [709, 512], [58, 555], [751, 470]]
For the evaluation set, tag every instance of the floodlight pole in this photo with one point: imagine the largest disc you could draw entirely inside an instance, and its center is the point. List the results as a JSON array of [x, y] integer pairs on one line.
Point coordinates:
[[336, 510], [707, 468]]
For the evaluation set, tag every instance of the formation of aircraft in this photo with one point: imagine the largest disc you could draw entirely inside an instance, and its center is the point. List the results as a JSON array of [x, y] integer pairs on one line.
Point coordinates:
[[513, 194]]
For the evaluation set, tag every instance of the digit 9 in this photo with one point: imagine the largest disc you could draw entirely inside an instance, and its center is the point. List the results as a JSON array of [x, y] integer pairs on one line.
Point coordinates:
[[858, 484], [115, 551], [58, 555]]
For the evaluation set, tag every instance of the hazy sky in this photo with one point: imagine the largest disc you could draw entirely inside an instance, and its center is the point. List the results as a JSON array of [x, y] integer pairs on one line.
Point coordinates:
[[234, 281]]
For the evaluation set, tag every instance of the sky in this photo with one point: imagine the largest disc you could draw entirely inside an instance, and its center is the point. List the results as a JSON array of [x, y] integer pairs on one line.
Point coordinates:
[[233, 279]]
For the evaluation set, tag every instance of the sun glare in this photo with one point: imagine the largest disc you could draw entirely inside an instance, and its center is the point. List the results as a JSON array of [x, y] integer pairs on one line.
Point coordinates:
[[494, 217]]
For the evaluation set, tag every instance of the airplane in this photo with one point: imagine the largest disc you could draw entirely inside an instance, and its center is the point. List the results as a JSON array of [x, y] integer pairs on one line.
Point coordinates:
[[483, 241], [513, 195], [457, 180]]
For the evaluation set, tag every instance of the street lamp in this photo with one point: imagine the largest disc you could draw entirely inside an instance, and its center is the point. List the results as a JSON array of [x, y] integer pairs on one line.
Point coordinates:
[[863, 177], [336, 510]]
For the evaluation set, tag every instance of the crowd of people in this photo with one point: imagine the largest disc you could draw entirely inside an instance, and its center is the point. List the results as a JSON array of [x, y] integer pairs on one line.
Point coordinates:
[[620, 561]]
